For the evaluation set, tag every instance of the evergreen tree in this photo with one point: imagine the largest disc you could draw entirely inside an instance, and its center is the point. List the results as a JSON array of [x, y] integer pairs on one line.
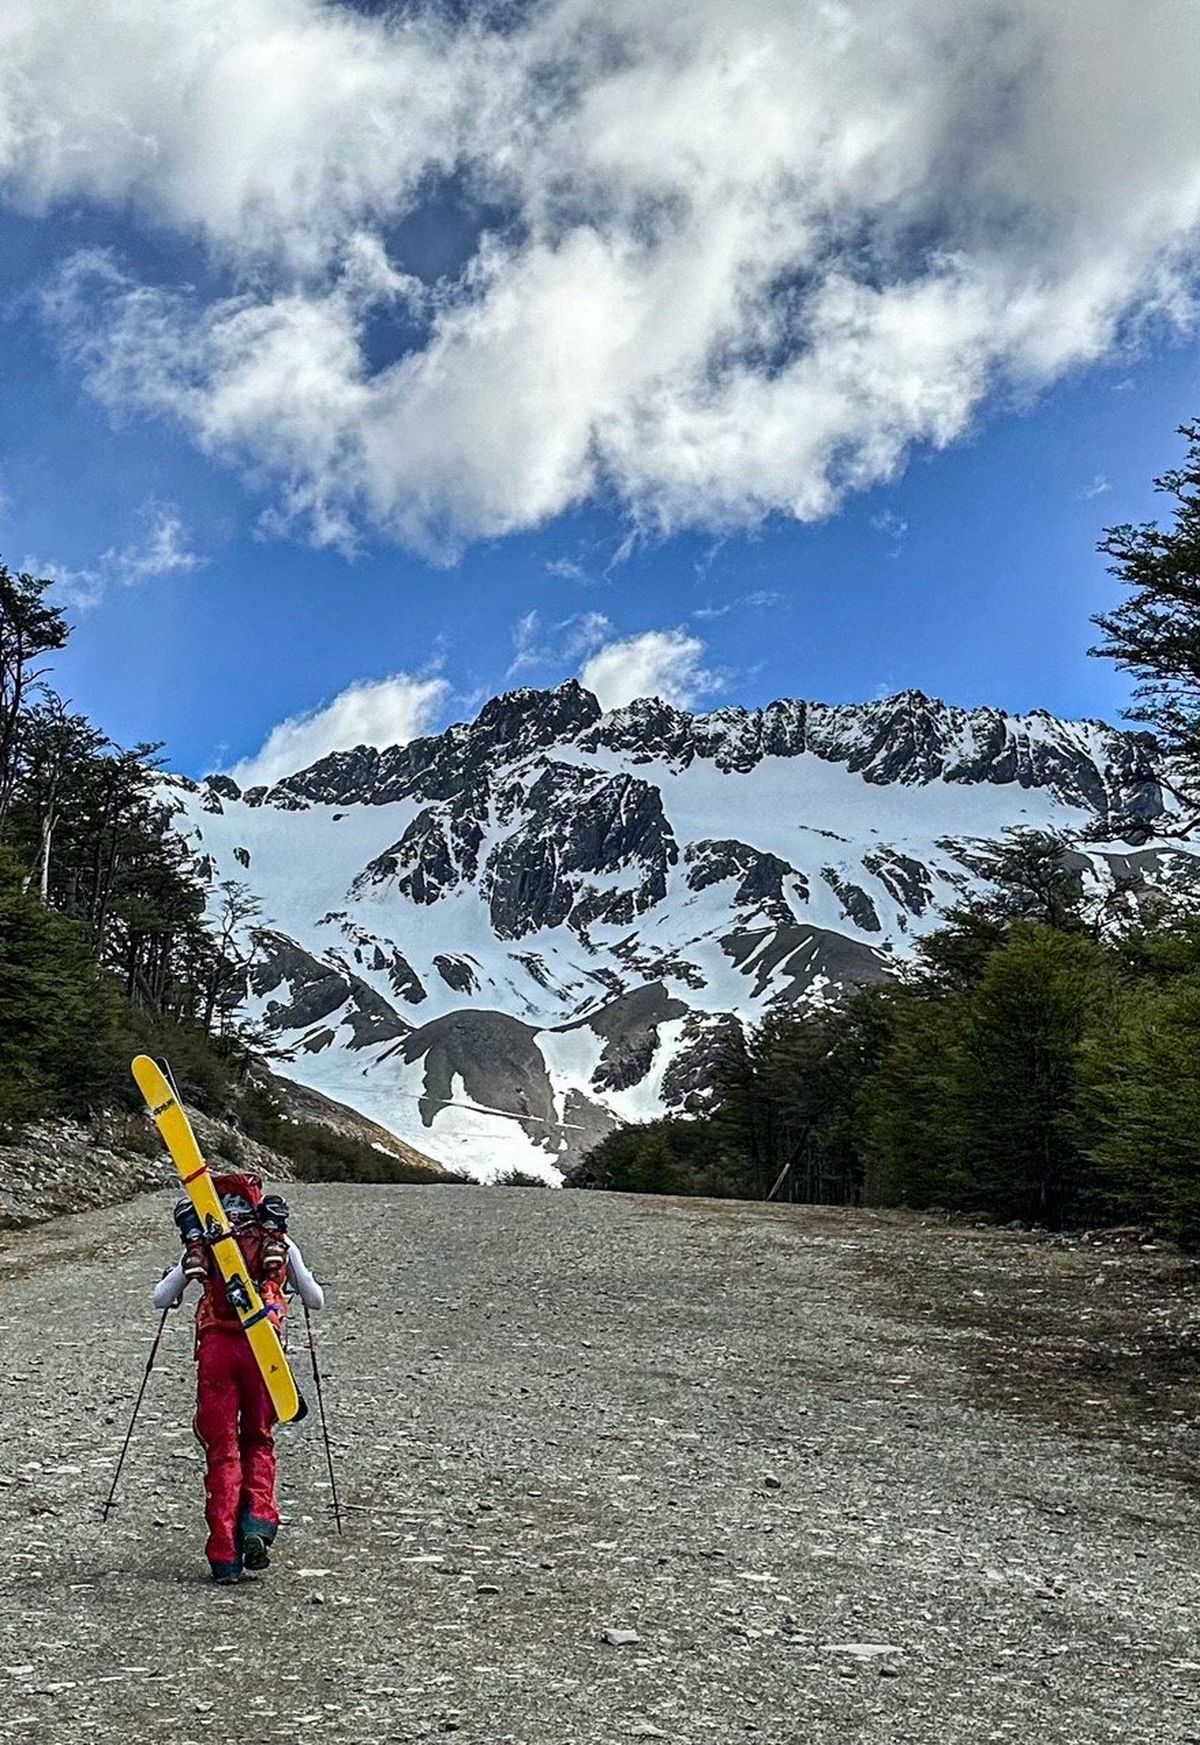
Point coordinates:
[[1141, 1107], [99, 898], [56, 756], [912, 1154], [30, 628], [1013, 1074], [744, 1116], [671, 1156], [1031, 875], [60, 1016], [1155, 632]]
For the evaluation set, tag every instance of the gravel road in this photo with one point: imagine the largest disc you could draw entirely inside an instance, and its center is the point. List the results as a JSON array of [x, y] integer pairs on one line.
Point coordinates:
[[702, 1432]]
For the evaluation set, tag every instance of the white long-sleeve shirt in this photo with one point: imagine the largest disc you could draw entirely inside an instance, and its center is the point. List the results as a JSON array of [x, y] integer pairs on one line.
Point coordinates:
[[170, 1288]]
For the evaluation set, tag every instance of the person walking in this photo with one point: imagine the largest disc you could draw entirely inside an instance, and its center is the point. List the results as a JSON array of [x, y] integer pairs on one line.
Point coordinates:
[[235, 1419]]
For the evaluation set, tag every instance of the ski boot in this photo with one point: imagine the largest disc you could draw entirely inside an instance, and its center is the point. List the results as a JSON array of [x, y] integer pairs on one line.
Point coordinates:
[[256, 1538]]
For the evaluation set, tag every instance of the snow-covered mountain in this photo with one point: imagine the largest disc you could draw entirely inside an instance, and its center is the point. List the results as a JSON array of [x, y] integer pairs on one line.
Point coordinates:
[[500, 940]]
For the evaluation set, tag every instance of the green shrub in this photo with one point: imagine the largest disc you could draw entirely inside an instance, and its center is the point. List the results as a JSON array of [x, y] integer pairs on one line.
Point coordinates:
[[671, 1156]]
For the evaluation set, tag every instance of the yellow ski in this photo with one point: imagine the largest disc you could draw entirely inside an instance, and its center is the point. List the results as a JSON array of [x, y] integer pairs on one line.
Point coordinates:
[[180, 1141]]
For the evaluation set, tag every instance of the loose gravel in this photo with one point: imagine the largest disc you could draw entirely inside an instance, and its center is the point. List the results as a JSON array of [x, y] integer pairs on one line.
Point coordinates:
[[611, 1470]]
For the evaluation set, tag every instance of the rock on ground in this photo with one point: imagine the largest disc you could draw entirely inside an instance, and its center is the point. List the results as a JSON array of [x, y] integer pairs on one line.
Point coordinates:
[[611, 1470]]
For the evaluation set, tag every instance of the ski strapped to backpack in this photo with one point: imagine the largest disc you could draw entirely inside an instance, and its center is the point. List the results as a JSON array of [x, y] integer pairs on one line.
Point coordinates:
[[154, 1081]]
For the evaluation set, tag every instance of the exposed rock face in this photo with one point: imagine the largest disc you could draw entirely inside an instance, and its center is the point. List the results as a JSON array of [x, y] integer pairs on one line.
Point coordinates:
[[458, 973], [379, 956], [856, 905], [585, 906], [312, 990], [630, 1026], [799, 958], [569, 824], [437, 853], [497, 1061], [760, 876], [905, 878]]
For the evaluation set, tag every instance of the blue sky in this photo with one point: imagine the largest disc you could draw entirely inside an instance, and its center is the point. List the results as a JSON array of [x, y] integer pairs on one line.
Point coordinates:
[[231, 565]]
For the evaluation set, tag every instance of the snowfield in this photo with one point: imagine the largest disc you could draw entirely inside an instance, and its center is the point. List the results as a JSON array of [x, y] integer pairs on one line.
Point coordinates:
[[500, 942]]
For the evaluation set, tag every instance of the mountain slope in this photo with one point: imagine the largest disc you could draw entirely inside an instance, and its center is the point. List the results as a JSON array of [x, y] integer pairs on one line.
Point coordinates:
[[499, 940]]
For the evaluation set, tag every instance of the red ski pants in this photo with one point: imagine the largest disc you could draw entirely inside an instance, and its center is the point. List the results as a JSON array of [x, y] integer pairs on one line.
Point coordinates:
[[234, 1421]]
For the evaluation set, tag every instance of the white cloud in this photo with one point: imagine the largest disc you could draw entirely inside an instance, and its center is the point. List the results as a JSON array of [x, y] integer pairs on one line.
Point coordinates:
[[81, 589], [162, 550], [379, 712], [658, 663], [753, 253], [759, 598], [893, 527], [567, 569], [554, 645], [1099, 487]]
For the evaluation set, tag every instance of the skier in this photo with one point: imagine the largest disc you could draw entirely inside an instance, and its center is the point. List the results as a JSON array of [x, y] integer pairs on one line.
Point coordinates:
[[235, 1418]]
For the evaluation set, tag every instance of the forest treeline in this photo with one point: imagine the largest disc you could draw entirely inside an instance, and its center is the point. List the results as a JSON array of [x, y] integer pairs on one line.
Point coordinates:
[[1040, 1058], [108, 944], [1038, 1062], [105, 947]]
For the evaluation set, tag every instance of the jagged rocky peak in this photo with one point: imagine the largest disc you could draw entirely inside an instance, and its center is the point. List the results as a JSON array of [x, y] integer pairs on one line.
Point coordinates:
[[912, 739], [444, 765], [647, 729], [904, 738], [528, 719], [213, 790], [907, 739]]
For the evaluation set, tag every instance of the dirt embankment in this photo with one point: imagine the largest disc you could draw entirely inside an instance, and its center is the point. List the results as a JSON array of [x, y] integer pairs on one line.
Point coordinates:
[[58, 1167]]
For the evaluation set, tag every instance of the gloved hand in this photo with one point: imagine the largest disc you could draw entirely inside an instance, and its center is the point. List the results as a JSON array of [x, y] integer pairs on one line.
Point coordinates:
[[187, 1221], [274, 1257], [273, 1213], [195, 1263]]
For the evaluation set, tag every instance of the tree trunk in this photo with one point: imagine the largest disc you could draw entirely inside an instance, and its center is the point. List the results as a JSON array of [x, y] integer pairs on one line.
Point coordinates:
[[48, 824]]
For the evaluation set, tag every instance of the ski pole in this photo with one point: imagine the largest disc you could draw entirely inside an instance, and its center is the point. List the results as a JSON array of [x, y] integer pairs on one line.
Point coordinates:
[[316, 1369], [137, 1406]]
